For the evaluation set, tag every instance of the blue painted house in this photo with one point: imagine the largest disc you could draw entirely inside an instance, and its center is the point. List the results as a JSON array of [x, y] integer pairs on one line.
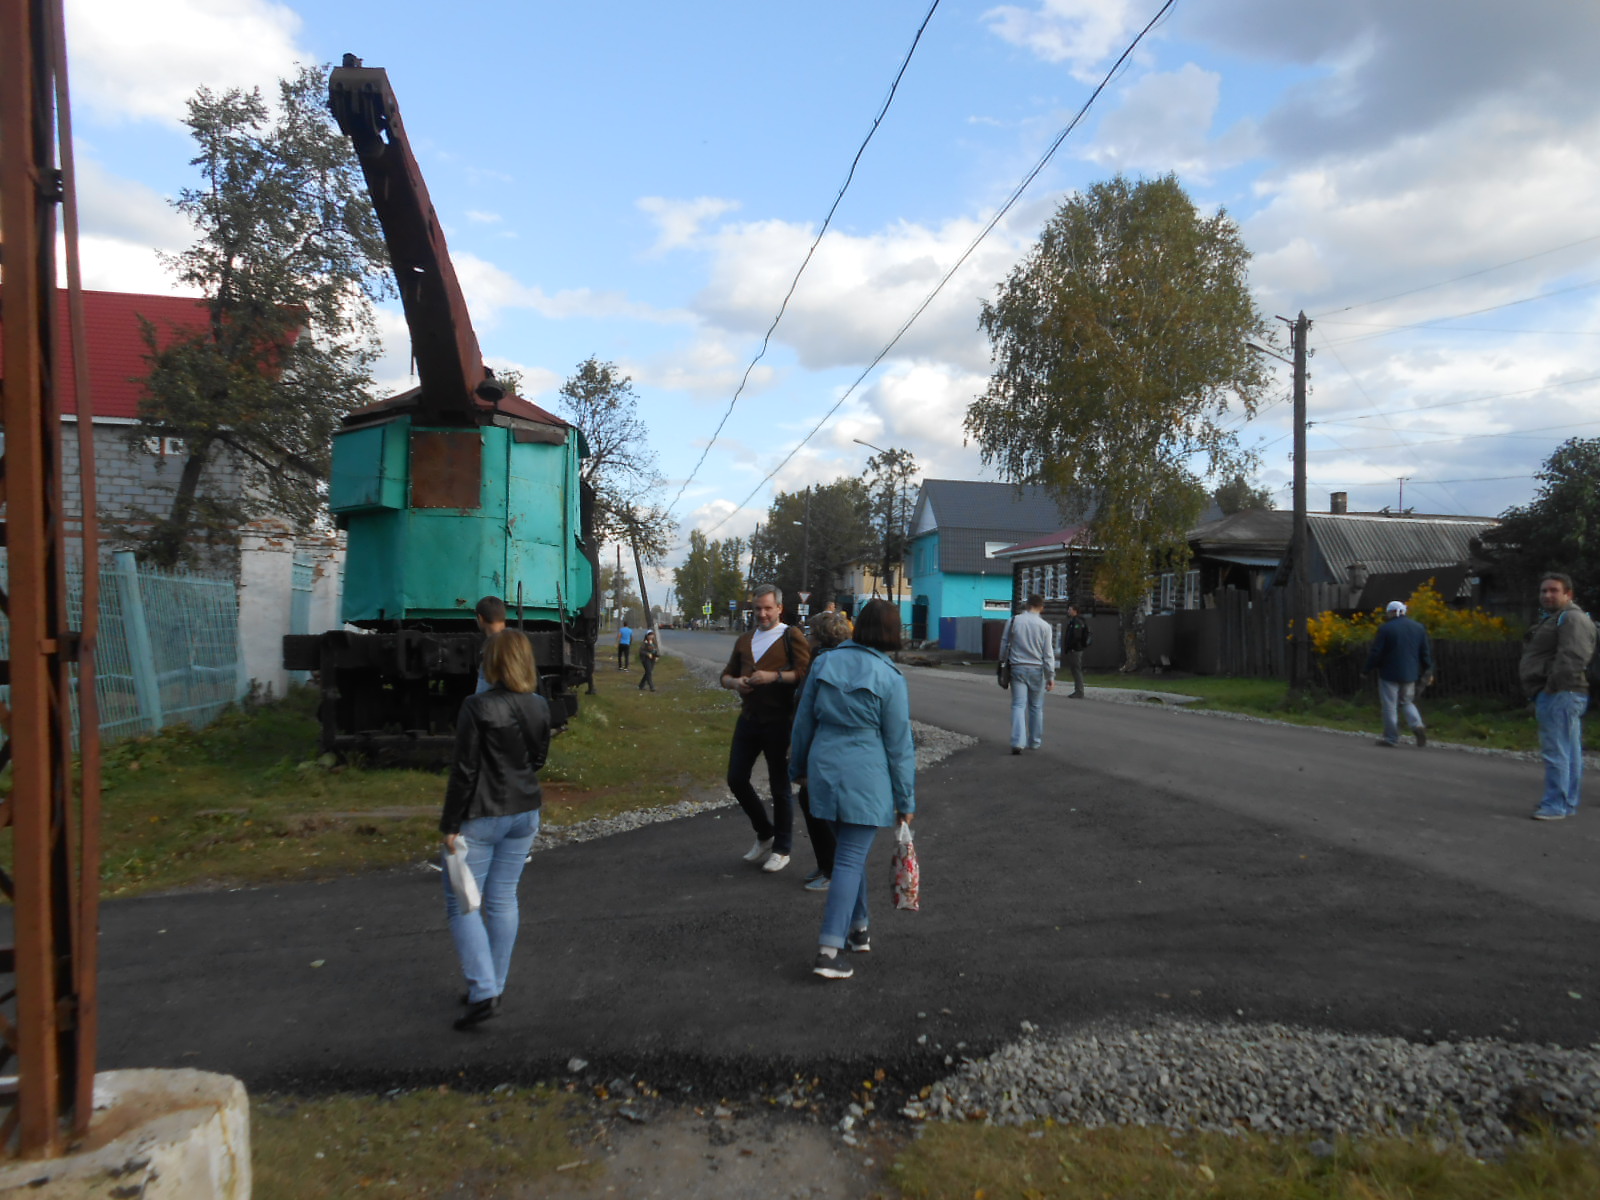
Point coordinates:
[[957, 527]]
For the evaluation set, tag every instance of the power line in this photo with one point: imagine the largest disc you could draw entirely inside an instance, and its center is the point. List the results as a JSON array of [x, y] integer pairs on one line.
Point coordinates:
[[1545, 387], [1466, 437], [1576, 287], [805, 262], [1469, 275], [965, 254]]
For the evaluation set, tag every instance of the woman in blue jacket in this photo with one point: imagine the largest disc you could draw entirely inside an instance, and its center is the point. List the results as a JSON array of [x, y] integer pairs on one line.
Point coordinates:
[[852, 746]]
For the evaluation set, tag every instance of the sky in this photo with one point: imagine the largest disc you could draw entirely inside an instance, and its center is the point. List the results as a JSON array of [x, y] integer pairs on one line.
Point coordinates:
[[641, 182]]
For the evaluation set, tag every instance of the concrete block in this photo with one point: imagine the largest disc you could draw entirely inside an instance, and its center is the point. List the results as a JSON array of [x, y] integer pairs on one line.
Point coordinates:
[[157, 1135]]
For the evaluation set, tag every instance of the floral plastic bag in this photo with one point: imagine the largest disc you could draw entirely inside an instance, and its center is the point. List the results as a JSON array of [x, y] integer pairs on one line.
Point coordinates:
[[907, 873]]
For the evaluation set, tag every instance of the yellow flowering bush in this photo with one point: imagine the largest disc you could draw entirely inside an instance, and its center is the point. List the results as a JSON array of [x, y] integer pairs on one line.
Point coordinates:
[[1332, 634]]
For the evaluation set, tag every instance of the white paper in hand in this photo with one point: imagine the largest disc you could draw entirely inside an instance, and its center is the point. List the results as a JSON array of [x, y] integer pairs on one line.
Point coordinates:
[[462, 881]]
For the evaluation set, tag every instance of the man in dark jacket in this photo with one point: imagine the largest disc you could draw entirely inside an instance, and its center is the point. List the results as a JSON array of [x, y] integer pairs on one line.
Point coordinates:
[[1402, 655], [1074, 641], [1554, 673]]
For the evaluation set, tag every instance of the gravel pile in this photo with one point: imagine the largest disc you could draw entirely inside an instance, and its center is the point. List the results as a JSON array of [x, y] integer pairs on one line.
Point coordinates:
[[1182, 1075], [933, 745]]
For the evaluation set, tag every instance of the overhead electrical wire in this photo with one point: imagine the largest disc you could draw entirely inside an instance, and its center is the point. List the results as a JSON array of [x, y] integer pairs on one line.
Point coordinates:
[[1576, 287], [1457, 279], [805, 262], [1465, 437], [1016, 195], [1545, 387]]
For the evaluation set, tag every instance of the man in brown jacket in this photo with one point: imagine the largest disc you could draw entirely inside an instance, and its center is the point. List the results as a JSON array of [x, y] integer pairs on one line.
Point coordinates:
[[767, 667], [1554, 673]]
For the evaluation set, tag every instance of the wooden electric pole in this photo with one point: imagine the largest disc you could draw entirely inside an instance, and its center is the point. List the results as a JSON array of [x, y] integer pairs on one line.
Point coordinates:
[[1300, 596]]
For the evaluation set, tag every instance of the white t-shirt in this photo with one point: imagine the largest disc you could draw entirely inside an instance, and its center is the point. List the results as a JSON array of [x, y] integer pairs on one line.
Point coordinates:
[[762, 640]]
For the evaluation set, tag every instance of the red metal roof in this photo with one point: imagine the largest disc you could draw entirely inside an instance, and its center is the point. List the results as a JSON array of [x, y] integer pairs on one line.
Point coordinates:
[[115, 344]]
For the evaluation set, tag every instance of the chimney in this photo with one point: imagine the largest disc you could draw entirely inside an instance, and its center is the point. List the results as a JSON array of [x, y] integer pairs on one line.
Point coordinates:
[[1339, 502]]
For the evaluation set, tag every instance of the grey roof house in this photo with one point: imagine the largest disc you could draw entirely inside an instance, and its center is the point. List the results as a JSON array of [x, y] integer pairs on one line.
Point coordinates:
[[957, 527]]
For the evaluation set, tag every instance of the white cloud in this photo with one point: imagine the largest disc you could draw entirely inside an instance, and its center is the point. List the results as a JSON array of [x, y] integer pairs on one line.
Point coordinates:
[[489, 289], [722, 519], [1162, 124], [858, 289], [124, 227], [1078, 32], [679, 221], [483, 218], [143, 61]]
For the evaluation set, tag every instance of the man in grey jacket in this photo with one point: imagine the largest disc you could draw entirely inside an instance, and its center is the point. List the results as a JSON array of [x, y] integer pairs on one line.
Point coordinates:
[[1554, 674], [1029, 646]]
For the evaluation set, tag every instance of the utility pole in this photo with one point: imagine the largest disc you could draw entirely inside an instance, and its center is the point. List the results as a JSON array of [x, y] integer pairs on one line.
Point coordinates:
[[1300, 597], [805, 557]]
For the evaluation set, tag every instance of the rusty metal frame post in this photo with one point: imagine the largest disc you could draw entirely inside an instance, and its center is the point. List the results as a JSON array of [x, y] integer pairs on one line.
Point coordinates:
[[55, 887]]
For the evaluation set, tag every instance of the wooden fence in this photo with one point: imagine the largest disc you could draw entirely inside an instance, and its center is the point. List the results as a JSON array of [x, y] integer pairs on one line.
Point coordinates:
[[1245, 634]]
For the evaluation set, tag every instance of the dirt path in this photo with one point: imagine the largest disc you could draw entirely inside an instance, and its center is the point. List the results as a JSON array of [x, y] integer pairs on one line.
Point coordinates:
[[683, 1154]]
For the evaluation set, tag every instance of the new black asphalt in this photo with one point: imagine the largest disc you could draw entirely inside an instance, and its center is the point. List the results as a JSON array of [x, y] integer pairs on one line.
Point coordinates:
[[1143, 862]]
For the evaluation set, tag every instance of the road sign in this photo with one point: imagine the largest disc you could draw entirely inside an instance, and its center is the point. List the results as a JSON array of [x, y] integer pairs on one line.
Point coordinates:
[[805, 597], [733, 604], [805, 610], [705, 610]]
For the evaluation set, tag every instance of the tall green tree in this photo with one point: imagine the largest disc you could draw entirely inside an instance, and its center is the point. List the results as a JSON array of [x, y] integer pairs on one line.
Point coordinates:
[[1118, 345], [289, 257], [711, 573], [812, 537], [1238, 494], [1559, 530], [621, 467], [889, 478]]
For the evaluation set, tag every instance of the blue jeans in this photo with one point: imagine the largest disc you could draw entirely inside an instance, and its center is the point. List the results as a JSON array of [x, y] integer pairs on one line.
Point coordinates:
[[847, 894], [496, 849], [1393, 699], [1561, 747], [1027, 707]]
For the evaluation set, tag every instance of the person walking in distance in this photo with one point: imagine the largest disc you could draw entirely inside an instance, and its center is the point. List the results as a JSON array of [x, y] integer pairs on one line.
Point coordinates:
[[767, 666], [853, 749], [1554, 674], [492, 801], [649, 651], [1401, 655], [1075, 639], [624, 642], [1029, 646]]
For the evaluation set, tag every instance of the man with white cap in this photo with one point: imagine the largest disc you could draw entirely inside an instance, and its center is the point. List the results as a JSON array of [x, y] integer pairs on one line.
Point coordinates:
[[1402, 655]]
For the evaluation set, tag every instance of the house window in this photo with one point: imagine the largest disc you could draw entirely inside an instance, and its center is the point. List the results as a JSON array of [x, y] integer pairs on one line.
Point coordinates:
[[1191, 589], [1050, 582], [1167, 600], [990, 549], [165, 447]]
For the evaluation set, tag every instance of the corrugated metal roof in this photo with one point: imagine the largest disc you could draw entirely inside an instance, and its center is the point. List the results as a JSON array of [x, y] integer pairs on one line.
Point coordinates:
[[1387, 544]]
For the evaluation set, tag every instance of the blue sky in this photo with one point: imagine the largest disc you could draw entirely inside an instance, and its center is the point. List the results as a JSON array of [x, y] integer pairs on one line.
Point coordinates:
[[640, 182]]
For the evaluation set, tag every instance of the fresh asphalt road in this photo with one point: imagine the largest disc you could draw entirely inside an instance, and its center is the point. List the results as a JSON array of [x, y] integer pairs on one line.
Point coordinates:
[[1144, 862]]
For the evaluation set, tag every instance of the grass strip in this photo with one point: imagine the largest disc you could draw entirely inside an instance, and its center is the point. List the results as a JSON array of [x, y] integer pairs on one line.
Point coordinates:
[[979, 1162], [247, 800], [1494, 723], [432, 1142]]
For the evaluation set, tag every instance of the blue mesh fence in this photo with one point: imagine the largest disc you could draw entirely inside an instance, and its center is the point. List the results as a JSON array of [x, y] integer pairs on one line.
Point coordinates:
[[168, 646]]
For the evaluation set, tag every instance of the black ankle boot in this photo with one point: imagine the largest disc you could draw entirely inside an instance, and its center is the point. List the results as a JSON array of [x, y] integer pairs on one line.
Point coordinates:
[[478, 1013]]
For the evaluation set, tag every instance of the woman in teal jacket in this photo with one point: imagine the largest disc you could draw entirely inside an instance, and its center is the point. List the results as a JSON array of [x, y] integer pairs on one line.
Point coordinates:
[[852, 746]]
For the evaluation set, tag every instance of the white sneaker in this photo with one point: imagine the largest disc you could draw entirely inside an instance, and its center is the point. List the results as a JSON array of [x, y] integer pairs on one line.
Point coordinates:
[[775, 862], [760, 850]]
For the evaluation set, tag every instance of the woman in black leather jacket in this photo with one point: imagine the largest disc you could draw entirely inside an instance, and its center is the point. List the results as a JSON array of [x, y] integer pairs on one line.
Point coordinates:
[[492, 802]]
